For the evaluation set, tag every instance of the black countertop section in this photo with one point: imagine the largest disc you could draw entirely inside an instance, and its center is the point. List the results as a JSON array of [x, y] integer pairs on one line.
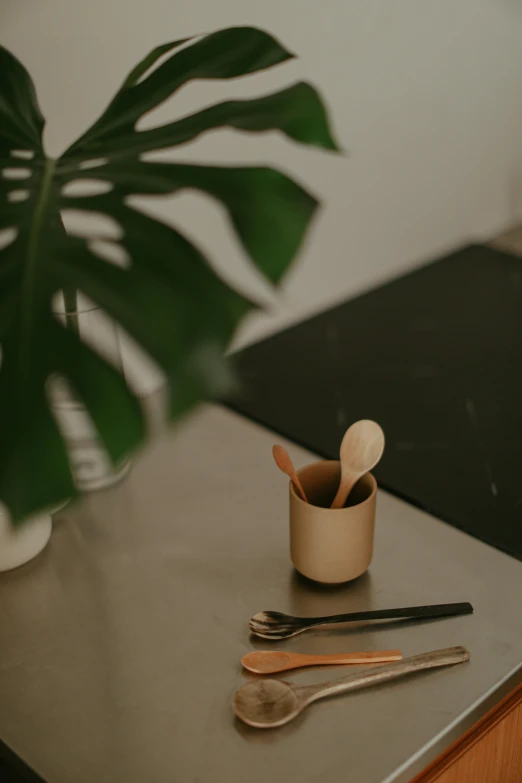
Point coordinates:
[[436, 358], [14, 771]]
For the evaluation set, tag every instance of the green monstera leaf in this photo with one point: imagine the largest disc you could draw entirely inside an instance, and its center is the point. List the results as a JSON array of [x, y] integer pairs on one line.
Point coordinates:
[[167, 297]]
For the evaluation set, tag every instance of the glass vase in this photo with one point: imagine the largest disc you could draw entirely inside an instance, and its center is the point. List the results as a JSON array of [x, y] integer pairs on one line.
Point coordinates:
[[90, 463]]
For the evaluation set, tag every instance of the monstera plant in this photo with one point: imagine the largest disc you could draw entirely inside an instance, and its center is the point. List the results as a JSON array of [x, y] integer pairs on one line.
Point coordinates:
[[167, 297]]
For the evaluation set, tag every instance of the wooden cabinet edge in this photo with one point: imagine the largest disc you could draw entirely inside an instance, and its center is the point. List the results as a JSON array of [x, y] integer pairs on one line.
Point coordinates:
[[475, 734]]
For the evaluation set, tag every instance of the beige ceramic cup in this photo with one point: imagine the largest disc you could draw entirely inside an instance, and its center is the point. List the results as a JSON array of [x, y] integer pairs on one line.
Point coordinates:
[[331, 545]]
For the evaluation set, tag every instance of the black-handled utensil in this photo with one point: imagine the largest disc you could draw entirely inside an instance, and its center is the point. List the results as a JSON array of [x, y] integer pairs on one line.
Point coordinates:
[[276, 625]]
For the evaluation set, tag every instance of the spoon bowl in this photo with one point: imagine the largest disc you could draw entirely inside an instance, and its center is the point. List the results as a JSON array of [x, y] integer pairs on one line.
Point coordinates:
[[285, 464], [267, 704], [276, 625], [361, 449], [266, 661]]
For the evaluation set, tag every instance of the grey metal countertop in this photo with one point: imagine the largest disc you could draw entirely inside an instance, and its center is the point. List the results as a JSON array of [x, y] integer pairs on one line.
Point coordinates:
[[120, 644]]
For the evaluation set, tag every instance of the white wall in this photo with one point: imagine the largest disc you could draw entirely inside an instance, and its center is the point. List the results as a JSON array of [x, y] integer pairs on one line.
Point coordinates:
[[425, 94]]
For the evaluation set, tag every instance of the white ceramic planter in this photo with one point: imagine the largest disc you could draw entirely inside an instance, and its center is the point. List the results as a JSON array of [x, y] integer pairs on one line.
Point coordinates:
[[21, 544]]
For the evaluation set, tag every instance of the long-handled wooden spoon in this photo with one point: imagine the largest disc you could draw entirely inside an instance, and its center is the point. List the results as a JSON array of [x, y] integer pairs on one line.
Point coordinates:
[[284, 463], [270, 661], [361, 450], [267, 703]]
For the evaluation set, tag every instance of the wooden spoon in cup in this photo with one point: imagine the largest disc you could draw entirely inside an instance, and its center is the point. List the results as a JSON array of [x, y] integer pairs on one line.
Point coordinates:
[[361, 450], [284, 463]]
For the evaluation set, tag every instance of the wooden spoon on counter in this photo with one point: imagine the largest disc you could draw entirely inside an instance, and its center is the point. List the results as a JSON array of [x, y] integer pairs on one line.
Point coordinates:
[[361, 450], [270, 661], [284, 463], [267, 703]]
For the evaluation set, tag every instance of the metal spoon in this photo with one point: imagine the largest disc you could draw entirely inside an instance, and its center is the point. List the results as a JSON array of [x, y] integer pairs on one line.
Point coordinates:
[[277, 625], [270, 661], [284, 463], [361, 450], [266, 704]]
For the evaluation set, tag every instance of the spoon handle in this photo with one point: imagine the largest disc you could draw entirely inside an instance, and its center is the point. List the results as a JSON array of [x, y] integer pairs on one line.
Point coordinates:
[[382, 674], [345, 487], [297, 484], [374, 656], [435, 610]]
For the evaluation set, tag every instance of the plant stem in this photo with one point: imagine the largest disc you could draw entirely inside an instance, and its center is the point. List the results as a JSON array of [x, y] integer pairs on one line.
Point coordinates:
[[70, 300], [29, 280]]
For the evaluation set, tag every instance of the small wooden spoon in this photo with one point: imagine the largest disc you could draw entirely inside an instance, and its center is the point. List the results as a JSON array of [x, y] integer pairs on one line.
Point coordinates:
[[361, 450], [284, 463], [268, 703], [270, 662]]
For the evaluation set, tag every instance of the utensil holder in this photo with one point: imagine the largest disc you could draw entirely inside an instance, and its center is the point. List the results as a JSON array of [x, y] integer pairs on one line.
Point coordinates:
[[331, 545]]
